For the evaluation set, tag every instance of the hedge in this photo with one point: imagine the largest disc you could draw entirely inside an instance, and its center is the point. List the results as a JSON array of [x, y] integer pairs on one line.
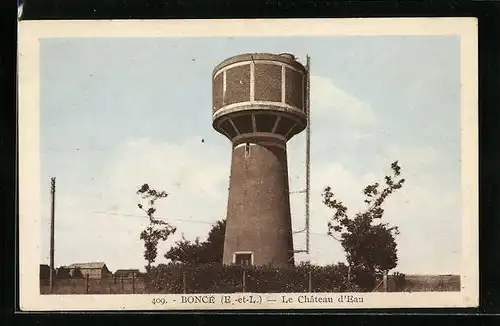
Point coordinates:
[[218, 278]]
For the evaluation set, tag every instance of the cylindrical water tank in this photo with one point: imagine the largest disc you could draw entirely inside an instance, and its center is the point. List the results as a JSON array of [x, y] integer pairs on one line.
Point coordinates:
[[257, 94]]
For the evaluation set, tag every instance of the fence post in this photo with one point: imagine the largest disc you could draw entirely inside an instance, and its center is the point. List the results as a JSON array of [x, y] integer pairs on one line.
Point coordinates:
[[244, 280], [310, 281], [114, 279], [133, 283], [385, 282], [109, 285], [87, 284], [121, 280], [184, 285]]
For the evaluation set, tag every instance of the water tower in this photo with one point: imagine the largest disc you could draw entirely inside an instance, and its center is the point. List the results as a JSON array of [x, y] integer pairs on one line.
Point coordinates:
[[259, 103]]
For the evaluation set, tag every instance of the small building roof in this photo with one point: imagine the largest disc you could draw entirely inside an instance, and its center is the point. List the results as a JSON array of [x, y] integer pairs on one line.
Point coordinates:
[[127, 270], [95, 265]]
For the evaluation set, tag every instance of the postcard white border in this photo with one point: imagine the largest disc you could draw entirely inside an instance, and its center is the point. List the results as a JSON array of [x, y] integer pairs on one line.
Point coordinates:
[[30, 32]]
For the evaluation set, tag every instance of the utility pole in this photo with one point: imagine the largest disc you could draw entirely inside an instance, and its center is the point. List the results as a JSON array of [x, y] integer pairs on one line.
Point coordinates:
[[52, 214]]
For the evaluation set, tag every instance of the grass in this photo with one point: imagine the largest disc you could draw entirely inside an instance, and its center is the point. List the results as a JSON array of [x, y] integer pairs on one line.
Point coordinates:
[[434, 283]]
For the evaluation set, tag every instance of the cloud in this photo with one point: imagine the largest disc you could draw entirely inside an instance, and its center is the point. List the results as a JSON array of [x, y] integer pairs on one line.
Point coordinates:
[[106, 225], [182, 167], [330, 102], [347, 187], [195, 179], [420, 209]]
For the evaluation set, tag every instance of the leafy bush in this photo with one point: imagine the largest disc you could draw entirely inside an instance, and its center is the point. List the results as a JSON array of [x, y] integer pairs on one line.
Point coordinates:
[[399, 281], [218, 278], [45, 272], [77, 273], [63, 273]]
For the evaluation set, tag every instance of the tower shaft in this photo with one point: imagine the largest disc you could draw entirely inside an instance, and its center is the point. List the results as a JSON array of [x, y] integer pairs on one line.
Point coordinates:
[[258, 222]]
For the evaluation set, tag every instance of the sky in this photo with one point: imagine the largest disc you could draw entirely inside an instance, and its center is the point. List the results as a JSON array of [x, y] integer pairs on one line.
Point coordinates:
[[118, 112]]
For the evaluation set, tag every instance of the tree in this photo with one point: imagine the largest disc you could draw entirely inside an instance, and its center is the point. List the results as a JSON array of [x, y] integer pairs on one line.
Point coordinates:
[[196, 252], [63, 273], [45, 272], [371, 249], [77, 273], [215, 242], [157, 230], [185, 251]]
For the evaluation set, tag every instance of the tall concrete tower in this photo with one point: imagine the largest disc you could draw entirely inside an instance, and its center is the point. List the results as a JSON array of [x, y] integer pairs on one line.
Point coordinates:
[[259, 103]]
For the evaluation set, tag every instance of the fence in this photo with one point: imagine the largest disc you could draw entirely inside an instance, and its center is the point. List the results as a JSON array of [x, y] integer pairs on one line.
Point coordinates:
[[177, 279], [110, 285]]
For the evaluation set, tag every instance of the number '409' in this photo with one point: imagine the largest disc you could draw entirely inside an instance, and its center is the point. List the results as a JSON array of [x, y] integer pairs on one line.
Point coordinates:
[[159, 301]]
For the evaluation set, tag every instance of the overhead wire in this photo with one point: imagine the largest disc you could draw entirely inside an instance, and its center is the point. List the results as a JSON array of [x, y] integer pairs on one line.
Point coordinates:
[[175, 219]]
